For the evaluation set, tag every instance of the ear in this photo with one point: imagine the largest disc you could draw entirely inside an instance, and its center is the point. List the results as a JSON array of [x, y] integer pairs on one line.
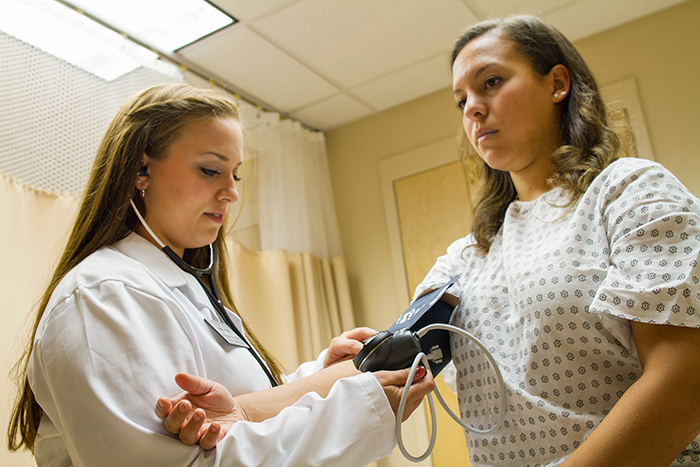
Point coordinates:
[[142, 179], [561, 82]]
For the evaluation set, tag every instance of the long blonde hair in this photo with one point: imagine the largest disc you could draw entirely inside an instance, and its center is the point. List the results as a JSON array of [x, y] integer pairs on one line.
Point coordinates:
[[148, 123], [591, 137]]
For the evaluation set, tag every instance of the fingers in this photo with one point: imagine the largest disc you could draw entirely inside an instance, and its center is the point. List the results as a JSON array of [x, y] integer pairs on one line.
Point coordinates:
[[193, 429], [163, 407], [359, 334], [190, 431], [393, 383], [342, 349], [347, 345], [422, 384], [396, 377], [418, 390], [210, 437], [177, 417]]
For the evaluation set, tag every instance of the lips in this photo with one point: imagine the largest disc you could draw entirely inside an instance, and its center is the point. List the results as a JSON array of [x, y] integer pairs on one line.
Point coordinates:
[[483, 135], [217, 217]]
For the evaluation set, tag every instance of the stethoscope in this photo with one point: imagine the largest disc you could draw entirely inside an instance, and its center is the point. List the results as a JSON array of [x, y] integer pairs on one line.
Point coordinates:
[[210, 289]]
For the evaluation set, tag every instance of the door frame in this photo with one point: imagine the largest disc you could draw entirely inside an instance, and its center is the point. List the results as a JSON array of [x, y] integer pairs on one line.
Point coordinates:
[[398, 166]]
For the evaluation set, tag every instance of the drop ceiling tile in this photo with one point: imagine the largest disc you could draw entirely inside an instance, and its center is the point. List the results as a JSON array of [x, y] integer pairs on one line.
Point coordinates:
[[259, 69], [332, 112], [250, 9], [499, 8], [584, 18], [406, 84], [352, 42]]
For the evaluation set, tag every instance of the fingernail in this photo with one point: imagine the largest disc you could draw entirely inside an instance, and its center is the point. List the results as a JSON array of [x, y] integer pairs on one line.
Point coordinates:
[[160, 404], [197, 416], [420, 372], [214, 428], [182, 408]]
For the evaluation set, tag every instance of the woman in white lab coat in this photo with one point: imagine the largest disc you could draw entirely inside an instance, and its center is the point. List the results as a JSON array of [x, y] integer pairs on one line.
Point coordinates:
[[121, 318]]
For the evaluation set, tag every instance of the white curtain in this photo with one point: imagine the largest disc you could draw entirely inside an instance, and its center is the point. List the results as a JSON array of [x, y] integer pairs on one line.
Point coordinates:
[[288, 267], [288, 274]]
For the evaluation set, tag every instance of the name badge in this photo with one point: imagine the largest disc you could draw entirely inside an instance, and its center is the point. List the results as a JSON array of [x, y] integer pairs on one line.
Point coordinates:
[[226, 333]]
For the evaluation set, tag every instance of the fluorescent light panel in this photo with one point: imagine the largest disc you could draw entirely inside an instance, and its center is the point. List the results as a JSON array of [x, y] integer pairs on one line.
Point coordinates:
[[166, 25], [70, 36]]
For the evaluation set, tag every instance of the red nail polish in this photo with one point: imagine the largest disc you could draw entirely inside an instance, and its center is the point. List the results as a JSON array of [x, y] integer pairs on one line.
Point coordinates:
[[420, 372]]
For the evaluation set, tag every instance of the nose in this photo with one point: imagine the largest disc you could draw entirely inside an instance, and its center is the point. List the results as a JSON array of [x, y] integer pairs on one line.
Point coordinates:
[[474, 107], [228, 191]]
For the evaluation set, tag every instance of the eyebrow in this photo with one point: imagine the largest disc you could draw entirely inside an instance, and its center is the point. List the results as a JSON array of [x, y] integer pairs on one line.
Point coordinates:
[[219, 156], [478, 72]]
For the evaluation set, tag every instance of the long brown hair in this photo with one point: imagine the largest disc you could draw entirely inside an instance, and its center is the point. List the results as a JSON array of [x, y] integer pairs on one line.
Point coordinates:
[[590, 142], [149, 123]]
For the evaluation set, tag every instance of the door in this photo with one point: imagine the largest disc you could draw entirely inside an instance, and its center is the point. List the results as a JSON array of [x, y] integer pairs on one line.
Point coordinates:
[[433, 211]]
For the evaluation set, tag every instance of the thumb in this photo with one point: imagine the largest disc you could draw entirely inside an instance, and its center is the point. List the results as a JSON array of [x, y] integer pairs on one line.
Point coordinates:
[[195, 385], [392, 378], [399, 377], [356, 347]]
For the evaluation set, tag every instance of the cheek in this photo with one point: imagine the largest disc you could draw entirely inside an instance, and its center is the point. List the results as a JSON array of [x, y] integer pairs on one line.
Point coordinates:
[[468, 125]]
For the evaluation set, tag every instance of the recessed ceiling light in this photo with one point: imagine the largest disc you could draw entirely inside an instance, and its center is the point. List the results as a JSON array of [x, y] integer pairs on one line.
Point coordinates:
[[68, 35], [166, 25]]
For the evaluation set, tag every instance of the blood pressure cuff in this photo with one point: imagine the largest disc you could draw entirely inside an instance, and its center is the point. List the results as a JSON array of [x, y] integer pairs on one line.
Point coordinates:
[[397, 347], [425, 310]]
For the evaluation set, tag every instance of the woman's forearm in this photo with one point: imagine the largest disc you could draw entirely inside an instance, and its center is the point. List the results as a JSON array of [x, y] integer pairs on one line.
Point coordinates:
[[262, 405]]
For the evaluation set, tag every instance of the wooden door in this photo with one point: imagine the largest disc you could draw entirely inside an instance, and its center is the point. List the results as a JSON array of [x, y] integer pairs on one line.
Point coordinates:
[[433, 211]]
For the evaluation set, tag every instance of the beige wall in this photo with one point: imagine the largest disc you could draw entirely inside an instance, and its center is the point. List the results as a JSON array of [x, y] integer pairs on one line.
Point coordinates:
[[661, 51]]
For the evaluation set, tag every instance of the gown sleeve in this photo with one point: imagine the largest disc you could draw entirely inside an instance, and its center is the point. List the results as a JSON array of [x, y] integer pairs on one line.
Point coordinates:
[[103, 356], [653, 225]]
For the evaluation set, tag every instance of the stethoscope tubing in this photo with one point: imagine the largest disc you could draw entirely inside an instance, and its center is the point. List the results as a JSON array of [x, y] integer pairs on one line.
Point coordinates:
[[211, 291]]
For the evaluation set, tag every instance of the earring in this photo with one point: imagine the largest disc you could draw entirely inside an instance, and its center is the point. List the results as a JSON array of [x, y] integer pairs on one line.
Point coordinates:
[[143, 192]]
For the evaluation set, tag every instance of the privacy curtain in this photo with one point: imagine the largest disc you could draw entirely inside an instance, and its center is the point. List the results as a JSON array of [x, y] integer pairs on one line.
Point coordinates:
[[295, 301]]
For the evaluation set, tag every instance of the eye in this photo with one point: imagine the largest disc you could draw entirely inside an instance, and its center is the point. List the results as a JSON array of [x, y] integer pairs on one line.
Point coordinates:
[[492, 82], [237, 178], [210, 172], [461, 103]]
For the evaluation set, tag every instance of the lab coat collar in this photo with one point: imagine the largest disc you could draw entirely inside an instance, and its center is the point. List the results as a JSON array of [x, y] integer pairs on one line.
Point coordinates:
[[153, 258], [138, 248]]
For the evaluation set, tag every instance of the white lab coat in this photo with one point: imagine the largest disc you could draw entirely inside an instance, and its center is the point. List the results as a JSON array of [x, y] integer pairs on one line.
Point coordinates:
[[119, 327]]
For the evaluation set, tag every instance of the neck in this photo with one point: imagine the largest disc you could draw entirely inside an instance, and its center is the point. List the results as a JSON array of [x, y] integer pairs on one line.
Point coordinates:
[[531, 182]]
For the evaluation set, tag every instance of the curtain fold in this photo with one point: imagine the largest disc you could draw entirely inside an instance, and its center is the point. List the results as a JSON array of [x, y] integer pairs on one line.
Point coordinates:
[[294, 302], [33, 226]]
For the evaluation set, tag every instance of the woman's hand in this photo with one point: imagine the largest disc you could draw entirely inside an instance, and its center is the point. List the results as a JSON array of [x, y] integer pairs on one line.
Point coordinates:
[[393, 383], [346, 346], [206, 411], [202, 414]]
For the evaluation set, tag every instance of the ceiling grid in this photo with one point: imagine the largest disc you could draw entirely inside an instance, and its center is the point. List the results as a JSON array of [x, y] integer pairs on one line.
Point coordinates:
[[327, 63]]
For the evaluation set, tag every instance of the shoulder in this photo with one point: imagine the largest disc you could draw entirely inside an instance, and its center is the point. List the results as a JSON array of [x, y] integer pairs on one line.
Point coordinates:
[[459, 252], [446, 266], [630, 181], [629, 173], [460, 244], [105, 266]]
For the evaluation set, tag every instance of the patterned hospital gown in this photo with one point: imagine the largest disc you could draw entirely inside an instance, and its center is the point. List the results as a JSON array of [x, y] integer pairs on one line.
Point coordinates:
[[553, 300]]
